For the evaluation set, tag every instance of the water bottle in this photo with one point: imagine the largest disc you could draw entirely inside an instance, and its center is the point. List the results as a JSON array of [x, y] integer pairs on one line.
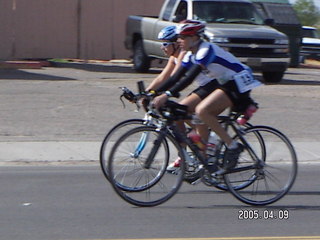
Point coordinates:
[[213, 141], [243, 119], [196, 139]]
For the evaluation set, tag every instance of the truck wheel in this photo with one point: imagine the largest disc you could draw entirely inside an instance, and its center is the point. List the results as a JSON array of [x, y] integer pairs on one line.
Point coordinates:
[[141, 62], [272, 77]]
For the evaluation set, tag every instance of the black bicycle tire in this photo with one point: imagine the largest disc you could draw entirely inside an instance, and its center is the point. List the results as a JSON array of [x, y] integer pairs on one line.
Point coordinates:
[[102, 159], [288, 184], [135, 202]]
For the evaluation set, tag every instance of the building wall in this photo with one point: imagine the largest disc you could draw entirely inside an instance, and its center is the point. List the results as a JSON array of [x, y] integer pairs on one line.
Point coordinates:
[[87, 29], [6, 43]]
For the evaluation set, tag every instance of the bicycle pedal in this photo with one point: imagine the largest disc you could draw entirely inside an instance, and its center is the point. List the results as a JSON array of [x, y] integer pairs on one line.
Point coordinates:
[[173, 172], [196, 182], [219, 172], [193, 182]]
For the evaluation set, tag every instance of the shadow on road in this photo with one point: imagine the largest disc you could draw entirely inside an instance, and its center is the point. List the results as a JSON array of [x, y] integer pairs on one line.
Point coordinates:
[[17, 74], [20, 74], [287, 81], [101, 67], [299, 82], [244, 206]]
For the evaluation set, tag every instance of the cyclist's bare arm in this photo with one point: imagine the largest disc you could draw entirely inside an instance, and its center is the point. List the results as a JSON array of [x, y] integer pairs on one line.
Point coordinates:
[[168, 71]]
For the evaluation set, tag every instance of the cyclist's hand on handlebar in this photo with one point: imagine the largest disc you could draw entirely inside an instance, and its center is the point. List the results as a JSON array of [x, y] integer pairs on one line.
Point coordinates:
[[130, 96], [159, 101], [147, 97], [145, 103]]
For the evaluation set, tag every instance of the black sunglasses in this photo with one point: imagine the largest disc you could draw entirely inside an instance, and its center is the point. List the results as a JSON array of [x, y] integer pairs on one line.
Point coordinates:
[[166, 44]]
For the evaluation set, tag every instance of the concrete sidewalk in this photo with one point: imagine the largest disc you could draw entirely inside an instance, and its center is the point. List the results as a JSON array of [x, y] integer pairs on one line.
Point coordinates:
[[45, 152], [88, 152]]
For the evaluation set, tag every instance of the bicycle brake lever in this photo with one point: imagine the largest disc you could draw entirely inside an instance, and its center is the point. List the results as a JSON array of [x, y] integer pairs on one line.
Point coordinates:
[[124, 106]]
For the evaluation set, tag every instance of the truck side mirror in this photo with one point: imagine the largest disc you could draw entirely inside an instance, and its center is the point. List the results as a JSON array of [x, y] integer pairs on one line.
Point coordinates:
[[269, 22]]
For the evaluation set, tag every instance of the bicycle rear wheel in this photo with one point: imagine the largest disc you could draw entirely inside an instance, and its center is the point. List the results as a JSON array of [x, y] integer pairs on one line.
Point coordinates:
[[111, 137], [142, 185], [268, 179]]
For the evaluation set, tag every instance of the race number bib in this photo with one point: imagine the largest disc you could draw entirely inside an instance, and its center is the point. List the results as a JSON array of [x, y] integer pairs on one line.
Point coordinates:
[[245, 81]]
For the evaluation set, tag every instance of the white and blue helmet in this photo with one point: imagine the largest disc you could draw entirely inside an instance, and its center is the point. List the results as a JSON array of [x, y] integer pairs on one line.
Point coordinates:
[[168, 34]]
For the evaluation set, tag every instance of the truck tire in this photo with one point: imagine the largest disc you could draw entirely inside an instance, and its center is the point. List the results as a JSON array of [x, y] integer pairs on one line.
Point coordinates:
[[272, 77], [141, 62]]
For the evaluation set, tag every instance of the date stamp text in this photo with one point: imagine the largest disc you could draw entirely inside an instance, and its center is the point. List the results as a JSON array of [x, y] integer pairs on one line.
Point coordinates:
[[266, 214]]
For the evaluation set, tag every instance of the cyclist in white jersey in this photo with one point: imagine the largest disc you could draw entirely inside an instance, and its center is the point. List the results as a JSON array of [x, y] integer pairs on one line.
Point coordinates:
[[208, 61], [168, 36], [206, 85]]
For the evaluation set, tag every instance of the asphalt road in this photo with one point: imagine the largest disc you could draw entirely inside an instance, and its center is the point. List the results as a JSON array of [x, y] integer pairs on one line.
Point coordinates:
[[79, 103], [76, 202]]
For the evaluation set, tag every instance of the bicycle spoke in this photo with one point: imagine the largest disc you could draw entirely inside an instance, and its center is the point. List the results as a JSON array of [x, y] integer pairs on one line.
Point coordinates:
[[112, 137], [145, 185], [274, 177]]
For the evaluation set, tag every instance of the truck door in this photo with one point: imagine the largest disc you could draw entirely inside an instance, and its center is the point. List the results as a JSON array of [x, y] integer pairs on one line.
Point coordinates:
[[178, 12]]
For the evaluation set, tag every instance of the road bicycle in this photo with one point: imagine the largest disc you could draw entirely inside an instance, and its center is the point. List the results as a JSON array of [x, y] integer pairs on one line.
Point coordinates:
[[137, 165], [193, 170]]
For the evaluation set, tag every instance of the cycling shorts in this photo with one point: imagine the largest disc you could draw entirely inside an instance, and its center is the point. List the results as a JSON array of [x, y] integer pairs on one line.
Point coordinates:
[[240, 100], [205, 90]]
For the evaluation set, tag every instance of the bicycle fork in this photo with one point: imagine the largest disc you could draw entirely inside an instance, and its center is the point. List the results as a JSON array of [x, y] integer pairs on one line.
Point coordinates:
[[156, 145], [144, 138], [141, 145]]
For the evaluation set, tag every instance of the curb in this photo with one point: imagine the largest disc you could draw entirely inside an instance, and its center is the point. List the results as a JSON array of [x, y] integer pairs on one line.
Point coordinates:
[[24, 64], [49, 151], [88, 152]]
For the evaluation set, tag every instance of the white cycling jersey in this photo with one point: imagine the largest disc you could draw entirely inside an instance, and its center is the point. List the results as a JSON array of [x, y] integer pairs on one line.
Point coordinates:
[[218, 64]]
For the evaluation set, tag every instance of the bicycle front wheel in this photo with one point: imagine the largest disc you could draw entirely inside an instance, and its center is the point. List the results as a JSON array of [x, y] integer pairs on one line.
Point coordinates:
[[137, 166], [111, 137], [267, 177]]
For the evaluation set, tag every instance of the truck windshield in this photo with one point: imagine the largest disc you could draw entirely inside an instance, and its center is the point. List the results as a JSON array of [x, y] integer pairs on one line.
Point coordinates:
[[309, 33], [226, 12]]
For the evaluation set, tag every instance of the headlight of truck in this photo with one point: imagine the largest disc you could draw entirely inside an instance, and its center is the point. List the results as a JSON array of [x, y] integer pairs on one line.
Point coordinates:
[[220, 40], [281, 41], [210, 36]]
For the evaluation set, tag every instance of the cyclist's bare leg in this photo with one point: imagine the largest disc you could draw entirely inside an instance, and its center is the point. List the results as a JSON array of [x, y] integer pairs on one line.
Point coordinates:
[[191, 101], [203, 131], [210, 108]]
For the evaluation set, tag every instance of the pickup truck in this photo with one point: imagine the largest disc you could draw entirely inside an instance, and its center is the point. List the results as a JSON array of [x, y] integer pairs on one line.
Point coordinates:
[[235, 25], [310, 47]]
